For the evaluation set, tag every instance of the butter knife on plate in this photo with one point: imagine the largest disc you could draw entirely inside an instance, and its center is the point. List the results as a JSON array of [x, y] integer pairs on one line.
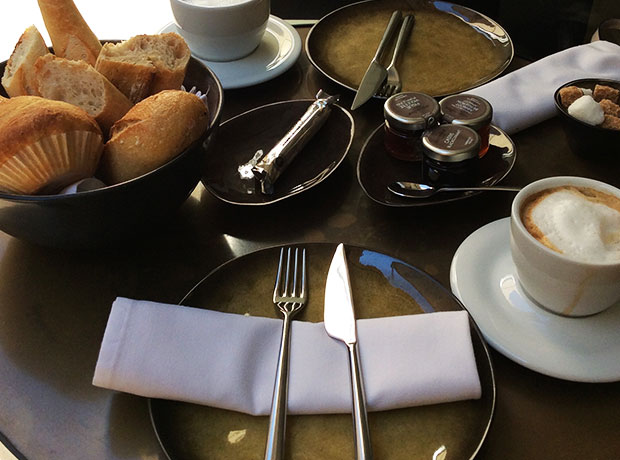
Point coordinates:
[[339, 317], [376, 72]]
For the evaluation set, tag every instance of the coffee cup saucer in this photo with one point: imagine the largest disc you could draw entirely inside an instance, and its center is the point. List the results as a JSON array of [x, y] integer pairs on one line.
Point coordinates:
[[483, 277], [278, 51]]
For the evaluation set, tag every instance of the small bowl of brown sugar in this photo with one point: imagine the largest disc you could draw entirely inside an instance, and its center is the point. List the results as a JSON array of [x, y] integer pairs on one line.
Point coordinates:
[[589, 110]]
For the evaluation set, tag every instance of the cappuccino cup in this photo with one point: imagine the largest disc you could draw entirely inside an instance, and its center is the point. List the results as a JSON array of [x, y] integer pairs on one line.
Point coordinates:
[[221, 30], [565, 244]]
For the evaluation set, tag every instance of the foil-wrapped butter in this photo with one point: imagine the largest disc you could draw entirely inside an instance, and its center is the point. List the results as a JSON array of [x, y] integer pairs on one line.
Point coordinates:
[[270, 166]]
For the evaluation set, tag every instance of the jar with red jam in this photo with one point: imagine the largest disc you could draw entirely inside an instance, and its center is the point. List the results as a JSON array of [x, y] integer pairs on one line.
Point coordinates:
[[469, 110], [451, 155], [407, 116]]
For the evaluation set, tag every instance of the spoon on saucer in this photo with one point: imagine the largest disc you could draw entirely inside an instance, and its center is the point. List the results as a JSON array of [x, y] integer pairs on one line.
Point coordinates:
[[416, 190]]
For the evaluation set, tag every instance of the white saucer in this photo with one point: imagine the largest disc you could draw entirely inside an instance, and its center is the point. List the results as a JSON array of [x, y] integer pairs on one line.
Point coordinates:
[[483, 278], [280, 48]]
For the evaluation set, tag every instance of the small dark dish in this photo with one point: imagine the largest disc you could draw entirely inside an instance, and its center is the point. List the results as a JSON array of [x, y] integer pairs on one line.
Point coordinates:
[[584, 139], [376, 169], [240, 137], [109, 215]]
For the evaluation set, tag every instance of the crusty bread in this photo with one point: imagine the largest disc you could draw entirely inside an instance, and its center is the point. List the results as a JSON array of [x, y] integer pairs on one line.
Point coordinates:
[[17, 78], [80, 84], [153, 132], [70, 34], [45, 145], [145, 64]]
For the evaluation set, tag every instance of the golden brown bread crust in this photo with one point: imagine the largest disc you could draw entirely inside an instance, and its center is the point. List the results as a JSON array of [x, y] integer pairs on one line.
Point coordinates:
[[18, 73], [80, 84], [26, 119], [154, 131], [37, 131], [70, 34], [145, 64]]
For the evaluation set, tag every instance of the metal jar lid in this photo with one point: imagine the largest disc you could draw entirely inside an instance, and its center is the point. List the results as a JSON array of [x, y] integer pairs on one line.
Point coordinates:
[[466, 109], [411, 111], [451, 143]]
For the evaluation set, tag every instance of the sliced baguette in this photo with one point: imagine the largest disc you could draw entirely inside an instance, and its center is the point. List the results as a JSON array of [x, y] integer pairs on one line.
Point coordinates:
[[18, 73], [80, 84], [153, 132], [145, 64], [70, 34]]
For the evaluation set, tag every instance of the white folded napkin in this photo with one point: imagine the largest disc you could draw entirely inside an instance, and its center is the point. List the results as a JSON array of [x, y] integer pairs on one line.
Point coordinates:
[[229, 361], [524, 97]]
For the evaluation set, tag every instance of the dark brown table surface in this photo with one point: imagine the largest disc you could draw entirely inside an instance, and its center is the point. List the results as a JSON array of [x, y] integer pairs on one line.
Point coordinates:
[[54, 304]]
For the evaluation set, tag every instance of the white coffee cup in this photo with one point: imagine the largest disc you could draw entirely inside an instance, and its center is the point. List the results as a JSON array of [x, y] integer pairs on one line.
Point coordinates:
[[561, 283], [221, 30]]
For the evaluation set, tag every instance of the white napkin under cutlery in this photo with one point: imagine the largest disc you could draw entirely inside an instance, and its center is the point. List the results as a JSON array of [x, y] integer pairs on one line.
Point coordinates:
[[524, 97], [229, 361]]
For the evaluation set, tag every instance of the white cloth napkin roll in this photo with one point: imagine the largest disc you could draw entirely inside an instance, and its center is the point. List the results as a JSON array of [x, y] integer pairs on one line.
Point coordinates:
[[229, 361], [524, 97]]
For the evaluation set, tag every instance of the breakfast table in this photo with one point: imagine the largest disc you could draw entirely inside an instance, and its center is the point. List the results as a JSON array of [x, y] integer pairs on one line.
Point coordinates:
[[55, 303]]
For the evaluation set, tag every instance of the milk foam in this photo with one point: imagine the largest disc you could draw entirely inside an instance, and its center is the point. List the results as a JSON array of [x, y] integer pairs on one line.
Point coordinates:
[[580, 228]]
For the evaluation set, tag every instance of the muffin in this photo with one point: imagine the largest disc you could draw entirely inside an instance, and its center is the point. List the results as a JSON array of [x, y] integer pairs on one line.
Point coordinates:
[[45, 145]]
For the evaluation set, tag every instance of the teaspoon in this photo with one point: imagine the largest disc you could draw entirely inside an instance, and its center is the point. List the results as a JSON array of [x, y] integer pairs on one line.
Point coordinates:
[[415, 190]]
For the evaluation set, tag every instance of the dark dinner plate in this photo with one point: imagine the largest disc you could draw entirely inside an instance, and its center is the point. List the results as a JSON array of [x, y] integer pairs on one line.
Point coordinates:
[[382, 286], [451, 48], [262, 128], [376, 169]]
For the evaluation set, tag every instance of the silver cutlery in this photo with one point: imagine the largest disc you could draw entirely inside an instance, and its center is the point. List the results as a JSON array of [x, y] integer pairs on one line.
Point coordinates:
[[289, 296], [339, 317], [376, 72], [393, 84], [416, 190]]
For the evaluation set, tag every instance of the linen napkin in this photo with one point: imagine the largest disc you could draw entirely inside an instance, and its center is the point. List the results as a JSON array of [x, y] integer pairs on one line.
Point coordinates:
[[229, 361], [524, 97]]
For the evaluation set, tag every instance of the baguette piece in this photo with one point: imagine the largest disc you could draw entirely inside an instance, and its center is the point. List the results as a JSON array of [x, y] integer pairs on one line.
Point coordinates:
[[153, 132], [145, 64], [78, 83], [18, 73], [70, 34], [45, 145]]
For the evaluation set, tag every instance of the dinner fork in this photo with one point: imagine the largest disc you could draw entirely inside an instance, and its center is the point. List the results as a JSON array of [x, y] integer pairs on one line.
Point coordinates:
[[289, 296], [393, 84]]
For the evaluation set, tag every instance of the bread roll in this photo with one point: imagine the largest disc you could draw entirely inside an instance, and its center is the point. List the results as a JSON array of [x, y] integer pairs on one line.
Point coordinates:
[[154, 131], [71, 36], [145, 64], [45, 145], [18, 73], [80, 84]]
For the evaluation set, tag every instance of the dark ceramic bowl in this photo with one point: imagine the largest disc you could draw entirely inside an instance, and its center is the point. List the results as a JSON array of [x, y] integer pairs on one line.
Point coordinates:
[[584, 139], [107, 216]]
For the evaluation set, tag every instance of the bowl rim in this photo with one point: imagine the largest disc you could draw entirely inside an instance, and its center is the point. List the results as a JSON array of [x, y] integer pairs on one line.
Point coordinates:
[[213, 123], [564, 110]]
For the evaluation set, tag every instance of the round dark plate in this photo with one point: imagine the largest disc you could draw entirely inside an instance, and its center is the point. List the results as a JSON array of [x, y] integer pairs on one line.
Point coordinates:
[[451, 48], [376, 169], [382, 286], [240, 137]]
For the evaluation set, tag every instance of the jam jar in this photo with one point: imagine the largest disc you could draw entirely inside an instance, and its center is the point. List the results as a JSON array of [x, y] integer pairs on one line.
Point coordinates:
[[469, 110], [407, 116], [451, 155]]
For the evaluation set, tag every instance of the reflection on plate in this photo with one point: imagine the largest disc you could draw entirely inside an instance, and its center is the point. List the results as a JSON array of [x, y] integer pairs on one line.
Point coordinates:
[[382, 286], [451, 48], [484, 278], [262, 128], [376, 169], [278, 51]]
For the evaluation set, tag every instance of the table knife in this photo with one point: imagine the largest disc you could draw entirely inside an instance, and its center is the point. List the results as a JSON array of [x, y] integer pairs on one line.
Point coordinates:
[[376, 72], [339, 317]]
